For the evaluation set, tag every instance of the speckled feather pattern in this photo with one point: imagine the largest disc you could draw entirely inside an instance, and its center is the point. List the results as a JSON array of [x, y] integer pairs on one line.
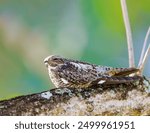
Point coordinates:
[[76, 74]]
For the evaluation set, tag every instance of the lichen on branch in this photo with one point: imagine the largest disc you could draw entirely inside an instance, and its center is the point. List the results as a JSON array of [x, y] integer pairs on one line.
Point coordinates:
[[122, 99]]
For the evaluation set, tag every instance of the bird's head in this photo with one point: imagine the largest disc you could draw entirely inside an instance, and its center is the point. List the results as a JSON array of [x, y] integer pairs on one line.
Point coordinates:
[[54, 60]]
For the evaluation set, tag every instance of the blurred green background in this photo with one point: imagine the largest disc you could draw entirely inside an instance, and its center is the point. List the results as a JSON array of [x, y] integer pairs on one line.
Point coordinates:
[[89, 30]]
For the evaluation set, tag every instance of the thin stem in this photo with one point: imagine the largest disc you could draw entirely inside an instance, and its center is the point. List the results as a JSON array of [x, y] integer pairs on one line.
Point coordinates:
[[144, 46], [141, 67], [128, 33]]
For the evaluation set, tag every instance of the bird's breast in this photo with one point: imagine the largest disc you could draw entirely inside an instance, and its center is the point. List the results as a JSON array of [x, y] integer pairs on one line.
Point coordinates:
[[53, 74]]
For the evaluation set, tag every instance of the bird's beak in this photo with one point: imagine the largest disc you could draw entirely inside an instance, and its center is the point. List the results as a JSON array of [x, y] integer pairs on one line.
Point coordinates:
[[46, 62]]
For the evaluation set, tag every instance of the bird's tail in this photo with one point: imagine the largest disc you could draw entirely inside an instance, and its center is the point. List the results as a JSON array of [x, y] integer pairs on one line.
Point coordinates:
[[121, 72]]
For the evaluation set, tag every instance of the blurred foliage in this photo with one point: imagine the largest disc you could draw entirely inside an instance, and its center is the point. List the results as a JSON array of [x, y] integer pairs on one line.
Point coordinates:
[[90, 30]]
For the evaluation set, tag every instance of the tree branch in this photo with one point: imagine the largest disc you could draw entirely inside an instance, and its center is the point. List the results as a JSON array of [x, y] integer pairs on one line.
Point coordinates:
[[122, 99]]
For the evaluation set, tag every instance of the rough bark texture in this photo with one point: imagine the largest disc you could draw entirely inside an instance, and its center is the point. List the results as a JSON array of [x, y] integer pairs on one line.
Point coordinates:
[[124, 99]]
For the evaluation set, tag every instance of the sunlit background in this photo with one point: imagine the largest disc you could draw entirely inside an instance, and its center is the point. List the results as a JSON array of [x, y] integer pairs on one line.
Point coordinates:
[[89, 30]]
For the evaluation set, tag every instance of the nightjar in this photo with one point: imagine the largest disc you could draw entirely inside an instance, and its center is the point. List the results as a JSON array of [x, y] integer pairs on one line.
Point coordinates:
[[77, 74]]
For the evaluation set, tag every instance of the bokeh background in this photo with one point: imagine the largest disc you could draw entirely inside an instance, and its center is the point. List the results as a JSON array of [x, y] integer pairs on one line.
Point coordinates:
[[89, 30]]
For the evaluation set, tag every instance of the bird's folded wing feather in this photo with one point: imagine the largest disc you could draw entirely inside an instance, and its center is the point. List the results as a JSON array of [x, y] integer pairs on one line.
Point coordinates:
[[77, 75], [114, 80]]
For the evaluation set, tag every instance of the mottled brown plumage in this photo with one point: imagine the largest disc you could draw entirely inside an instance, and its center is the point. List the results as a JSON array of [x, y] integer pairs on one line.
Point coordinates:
[[77, 74]]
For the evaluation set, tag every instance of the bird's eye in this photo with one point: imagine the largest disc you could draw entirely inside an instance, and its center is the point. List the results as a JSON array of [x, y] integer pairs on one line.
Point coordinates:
[[55, 59]]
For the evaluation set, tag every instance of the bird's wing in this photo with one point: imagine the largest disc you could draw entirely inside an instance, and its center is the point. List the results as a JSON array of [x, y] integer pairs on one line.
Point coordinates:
[[77, 74], [113, 80]]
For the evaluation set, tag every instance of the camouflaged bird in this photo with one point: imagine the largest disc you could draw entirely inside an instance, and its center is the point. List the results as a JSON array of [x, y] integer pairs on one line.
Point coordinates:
[[77, 74]]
